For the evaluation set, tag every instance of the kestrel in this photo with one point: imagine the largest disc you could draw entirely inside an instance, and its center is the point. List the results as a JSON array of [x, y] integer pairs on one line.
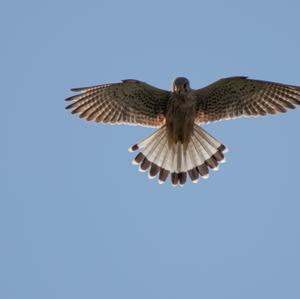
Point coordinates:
[[180, 147]]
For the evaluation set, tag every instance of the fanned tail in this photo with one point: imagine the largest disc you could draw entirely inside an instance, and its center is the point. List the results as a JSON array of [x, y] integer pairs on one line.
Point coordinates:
[[202, 153]]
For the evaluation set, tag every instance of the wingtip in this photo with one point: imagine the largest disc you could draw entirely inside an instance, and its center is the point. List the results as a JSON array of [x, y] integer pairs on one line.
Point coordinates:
[[76, 89], [68, 99]]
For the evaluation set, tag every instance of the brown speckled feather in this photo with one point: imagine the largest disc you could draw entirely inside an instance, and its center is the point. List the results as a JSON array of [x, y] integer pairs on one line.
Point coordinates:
[[238, 96], [129, 102]]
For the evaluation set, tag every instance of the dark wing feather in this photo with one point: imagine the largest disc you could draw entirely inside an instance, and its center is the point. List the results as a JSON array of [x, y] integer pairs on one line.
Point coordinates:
[[238, 96], [128, 102]]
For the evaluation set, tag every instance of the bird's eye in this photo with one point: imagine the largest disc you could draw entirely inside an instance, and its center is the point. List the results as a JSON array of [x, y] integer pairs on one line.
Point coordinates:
[[185, 85]]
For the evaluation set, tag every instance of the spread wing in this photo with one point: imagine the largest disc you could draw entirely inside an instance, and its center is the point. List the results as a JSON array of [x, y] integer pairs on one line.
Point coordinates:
[[238, 96], [127, 102]]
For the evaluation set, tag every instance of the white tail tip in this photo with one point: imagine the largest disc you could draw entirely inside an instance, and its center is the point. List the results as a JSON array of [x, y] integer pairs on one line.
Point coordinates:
[[141, 170], [216, 168], [134, 162], [150, 176]]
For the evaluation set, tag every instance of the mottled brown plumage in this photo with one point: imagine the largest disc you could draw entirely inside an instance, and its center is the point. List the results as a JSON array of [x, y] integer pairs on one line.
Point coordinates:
[[180, 147], [130, 102], [238, 96], [180, 119]]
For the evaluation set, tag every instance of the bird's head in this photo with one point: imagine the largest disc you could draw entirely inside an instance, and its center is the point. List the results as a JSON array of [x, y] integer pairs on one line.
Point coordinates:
[[181, 85]]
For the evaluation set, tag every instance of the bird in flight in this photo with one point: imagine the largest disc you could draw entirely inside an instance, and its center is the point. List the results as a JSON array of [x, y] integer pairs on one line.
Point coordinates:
[[180, 147]]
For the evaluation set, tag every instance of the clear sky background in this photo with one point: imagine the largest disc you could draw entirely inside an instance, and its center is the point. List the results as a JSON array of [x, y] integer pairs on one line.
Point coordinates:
[[77, 220]]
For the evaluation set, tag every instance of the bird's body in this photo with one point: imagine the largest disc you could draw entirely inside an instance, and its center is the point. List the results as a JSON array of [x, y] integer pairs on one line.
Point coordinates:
[[180, 147], [180, 118]]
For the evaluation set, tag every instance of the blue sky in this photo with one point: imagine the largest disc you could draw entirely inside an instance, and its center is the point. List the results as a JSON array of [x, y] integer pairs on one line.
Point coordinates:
[[77, 220]]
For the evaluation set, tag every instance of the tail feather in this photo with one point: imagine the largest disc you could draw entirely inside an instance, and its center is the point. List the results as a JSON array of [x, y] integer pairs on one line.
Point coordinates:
[[165, 166], [202, 153], [208, 149]]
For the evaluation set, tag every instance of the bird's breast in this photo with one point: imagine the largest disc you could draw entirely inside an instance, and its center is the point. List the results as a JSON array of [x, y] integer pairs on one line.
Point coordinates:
[[180, 119]]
